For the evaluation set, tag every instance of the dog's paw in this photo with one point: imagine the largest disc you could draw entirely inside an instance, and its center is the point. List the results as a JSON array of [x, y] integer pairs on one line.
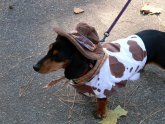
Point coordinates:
[[99, 114]]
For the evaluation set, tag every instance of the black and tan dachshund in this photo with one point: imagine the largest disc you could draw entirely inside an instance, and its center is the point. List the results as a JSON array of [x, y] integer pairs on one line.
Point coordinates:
[[63, 54]]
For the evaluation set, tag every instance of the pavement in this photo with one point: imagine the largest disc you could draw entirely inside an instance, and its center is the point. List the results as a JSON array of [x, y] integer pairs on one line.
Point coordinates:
[[27, 30]]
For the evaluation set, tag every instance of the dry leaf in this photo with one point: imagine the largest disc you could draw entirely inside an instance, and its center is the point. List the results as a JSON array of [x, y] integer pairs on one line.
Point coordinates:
[[113, 115], [147, 9], [78, 10]]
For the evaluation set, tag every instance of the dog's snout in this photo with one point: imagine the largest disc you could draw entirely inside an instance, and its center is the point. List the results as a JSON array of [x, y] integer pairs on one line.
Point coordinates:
[[36, 67]]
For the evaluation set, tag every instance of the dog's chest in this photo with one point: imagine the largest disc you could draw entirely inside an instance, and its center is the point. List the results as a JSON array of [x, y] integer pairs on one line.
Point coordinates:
[[126, 58]]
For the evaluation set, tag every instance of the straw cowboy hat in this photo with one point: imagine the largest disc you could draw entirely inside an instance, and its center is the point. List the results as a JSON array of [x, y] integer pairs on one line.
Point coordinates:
[[85, 39]]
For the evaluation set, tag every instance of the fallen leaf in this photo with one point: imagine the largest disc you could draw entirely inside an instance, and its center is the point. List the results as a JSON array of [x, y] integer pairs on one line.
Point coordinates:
[[78, 10], [147, 9], [113, 115]]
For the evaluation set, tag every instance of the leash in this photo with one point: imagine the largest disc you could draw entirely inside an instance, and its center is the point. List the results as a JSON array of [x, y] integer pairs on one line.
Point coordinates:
[[107, 33]]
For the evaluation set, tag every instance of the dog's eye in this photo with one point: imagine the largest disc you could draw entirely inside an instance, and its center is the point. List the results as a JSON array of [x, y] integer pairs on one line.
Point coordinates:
[[57, 57]]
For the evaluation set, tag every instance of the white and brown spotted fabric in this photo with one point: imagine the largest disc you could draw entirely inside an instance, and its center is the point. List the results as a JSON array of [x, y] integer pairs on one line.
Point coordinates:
[[126, 58]]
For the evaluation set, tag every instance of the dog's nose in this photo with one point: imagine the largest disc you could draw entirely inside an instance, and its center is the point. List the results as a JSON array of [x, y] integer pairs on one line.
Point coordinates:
[[36, 67]]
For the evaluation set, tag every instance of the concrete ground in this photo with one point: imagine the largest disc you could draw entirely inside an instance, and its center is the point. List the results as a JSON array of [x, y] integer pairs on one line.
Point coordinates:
[[25, 33]]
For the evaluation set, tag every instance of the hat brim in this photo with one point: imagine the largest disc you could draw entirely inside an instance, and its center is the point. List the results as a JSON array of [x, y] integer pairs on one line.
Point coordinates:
[[98, 53]]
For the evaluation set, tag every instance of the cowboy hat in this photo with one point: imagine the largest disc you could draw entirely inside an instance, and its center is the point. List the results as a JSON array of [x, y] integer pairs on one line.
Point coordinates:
[[85, 39]]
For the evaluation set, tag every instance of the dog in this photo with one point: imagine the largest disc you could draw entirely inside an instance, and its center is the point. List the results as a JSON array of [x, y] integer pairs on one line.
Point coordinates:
[[99, 69]]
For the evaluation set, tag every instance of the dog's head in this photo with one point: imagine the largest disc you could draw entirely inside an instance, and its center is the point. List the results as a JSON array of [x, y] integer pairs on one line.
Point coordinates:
[[63, 54]]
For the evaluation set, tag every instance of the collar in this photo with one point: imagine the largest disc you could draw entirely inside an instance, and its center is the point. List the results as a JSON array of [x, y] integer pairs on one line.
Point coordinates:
[[93, 72]]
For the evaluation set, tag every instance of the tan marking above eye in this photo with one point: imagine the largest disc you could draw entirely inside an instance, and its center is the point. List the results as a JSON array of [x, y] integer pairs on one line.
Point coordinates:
[[55, 52]]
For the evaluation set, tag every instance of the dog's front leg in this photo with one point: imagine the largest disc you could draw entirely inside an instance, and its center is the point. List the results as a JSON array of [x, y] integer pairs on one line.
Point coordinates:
[[101, 107]]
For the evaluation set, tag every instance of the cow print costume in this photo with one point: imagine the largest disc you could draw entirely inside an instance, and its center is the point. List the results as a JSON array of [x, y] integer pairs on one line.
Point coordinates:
[[126, 59]]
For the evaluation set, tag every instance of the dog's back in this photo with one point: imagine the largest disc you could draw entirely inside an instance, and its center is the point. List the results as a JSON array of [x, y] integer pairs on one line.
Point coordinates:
[[127, 57], [155, 45]]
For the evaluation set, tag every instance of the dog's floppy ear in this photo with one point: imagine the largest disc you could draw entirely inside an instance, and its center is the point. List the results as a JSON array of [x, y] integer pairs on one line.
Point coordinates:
[[77, 66]]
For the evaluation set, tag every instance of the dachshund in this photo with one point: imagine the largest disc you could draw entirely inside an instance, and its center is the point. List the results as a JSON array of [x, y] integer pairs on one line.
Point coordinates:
[[63, 54]]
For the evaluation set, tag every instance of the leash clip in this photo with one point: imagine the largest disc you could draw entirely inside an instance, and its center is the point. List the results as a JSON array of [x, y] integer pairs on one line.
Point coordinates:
[[106, 34]]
